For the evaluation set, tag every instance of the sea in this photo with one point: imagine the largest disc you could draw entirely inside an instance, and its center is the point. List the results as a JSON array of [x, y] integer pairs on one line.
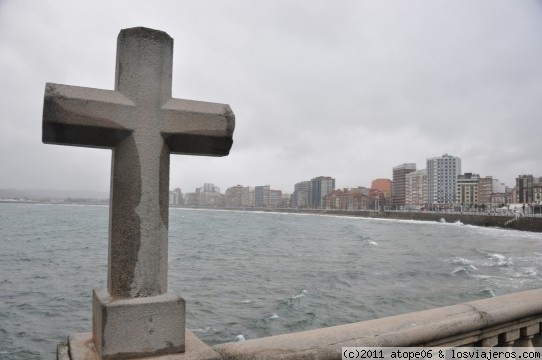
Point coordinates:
[[247, 274]]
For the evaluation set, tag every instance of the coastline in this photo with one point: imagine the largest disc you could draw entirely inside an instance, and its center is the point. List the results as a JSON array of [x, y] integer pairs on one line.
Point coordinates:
[[532, 224], [522, 223]]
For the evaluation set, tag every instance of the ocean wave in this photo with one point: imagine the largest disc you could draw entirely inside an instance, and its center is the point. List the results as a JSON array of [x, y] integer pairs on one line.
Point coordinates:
[[464, 269], [460, 261], [492, 259], [499, 260], [240, 337], [300, 295], [204, 330], [487, 293], [252, 301], [529, 271]]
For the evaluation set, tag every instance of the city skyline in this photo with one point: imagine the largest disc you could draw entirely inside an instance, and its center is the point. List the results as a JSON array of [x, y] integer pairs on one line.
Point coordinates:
[[414, 167], [347, 89]]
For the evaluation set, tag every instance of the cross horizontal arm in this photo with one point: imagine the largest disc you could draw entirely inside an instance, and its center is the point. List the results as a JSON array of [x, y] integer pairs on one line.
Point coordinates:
[[197, 127], [80, 116]]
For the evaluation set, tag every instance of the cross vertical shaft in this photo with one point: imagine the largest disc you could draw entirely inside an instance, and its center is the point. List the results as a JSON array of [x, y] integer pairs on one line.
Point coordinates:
[[138, 238], [136, 316]]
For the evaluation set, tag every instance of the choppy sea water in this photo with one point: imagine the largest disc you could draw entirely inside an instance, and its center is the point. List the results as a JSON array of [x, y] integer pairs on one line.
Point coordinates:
[[252, 274]]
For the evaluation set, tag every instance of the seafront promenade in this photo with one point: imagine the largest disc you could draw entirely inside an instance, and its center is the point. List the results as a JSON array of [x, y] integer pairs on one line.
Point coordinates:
[[515, 222]]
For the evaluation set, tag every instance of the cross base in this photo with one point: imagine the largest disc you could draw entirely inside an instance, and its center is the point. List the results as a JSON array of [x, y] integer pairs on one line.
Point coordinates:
[[137, 327], [81, 347]]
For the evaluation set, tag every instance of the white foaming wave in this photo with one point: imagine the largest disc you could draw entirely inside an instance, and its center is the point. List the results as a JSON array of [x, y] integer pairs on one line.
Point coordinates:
[[252, 301], [274, 316], [464, 269], [515, 234], [300, 295], [460, 261], [499, 260], [526, 274], [240, 337], [370, 242], [492, 259], [530, 271], [368, 219]]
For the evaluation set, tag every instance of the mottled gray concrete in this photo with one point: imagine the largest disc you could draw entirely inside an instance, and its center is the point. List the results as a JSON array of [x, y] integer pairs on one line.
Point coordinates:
[[131, 328], [142, 124], [81, 347]]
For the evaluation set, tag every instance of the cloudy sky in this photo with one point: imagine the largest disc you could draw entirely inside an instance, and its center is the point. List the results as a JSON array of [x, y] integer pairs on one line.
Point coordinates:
[[347, 89]]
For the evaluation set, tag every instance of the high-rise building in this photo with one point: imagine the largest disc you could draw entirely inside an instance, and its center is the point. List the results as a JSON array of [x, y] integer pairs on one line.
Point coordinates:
[[285, 200], [525, 185], [300, 197], [416, 189], [251, 197], [487, 186], [442, 179], [274, 199], [511, 195], [176, 197], [236, 197], [209, 195], [467, 190], [261, 196], [398, 187], [318, 188]]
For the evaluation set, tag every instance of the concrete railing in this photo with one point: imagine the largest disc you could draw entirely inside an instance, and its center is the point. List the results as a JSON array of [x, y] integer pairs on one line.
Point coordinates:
[[509, 320]]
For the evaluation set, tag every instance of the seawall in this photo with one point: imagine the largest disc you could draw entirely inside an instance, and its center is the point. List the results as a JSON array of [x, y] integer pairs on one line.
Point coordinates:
[[533, 224], [509, 222]]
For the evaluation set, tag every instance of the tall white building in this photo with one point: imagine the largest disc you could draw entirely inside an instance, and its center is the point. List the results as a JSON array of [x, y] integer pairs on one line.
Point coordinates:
[[442, 175]]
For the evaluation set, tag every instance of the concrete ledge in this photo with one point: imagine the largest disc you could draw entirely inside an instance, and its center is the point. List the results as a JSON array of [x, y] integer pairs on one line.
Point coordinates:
[[81, 347], [452, 325]]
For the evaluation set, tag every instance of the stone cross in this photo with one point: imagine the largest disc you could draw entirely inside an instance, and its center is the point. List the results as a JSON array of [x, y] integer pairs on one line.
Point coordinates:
[[142, 124]]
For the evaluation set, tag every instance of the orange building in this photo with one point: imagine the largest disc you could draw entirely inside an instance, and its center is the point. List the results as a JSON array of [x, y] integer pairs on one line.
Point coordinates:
[[383, 185]]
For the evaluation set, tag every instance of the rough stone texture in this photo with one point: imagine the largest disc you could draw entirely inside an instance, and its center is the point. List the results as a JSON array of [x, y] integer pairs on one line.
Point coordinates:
[[138, 327], [456, 325], [81, 348], [62, 351], [142, 124]]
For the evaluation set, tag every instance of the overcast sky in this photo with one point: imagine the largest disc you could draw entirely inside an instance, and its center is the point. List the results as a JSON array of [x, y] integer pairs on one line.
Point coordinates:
[[347, 89]]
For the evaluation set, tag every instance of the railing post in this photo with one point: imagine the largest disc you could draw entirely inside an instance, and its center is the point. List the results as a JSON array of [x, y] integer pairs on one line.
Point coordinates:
[[489, 342], [537, 339], [508, 338], [527, 333]]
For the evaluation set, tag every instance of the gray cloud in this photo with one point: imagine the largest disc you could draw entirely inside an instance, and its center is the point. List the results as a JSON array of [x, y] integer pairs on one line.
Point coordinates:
[[348, 89]]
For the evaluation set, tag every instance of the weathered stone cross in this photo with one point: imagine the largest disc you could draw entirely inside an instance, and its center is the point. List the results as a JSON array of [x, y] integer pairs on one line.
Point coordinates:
[[142, 124]]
